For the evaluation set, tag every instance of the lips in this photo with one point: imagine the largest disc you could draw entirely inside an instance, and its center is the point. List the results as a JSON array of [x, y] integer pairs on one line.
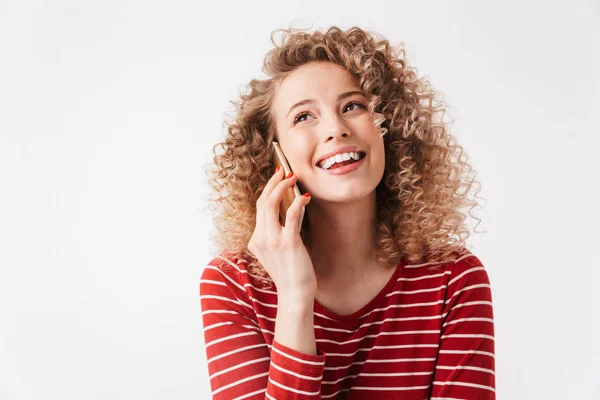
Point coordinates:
[[346, 169], [340, 150]]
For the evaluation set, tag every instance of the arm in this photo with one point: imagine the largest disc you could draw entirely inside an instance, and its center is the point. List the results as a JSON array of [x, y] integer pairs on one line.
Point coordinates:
[[239, 362], [466, 364]]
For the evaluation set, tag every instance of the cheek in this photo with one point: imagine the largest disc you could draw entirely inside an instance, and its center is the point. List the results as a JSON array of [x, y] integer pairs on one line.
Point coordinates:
[[299, 154]]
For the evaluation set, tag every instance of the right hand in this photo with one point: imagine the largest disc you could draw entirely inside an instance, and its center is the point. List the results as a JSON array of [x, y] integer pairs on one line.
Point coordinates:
[[279, 248]]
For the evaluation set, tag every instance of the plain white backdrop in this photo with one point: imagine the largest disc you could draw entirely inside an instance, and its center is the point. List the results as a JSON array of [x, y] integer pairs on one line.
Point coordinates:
[[109, 111]]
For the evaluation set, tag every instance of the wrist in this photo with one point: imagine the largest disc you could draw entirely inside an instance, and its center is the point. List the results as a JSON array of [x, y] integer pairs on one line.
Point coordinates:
[[296, 302]]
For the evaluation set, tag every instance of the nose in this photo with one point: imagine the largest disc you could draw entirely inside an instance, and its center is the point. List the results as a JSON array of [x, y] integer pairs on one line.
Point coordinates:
[[337, 128]]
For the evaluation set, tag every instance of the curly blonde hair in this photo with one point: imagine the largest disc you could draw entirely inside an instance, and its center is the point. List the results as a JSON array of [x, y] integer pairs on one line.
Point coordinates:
[[426, 182]]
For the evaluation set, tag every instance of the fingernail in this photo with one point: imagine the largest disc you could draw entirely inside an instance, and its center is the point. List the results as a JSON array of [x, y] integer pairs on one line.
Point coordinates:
[[277, 169], [306, 195], [289, 175]]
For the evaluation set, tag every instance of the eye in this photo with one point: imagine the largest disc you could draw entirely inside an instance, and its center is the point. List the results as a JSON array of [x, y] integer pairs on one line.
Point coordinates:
[[304, 113], [354, 103], [297, 118]]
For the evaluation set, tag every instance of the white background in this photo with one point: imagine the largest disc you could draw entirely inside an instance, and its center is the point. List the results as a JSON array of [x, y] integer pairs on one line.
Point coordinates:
[[108, 113]]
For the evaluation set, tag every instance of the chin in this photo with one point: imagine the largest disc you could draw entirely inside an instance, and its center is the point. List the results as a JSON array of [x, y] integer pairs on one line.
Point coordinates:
[[344, 196]]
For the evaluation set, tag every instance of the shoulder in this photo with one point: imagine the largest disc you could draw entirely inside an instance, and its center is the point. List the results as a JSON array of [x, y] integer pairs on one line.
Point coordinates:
[[229, 270], [467, 278], [223, 270], [468, 269]]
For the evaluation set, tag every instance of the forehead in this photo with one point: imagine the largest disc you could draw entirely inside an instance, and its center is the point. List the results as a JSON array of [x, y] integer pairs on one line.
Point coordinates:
[[320, 80]]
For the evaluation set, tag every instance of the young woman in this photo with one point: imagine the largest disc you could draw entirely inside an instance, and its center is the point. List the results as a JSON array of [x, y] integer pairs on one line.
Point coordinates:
[[374, 295]]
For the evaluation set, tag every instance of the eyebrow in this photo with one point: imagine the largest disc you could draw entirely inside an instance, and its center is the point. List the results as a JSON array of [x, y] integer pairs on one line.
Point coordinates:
[[340, 97]]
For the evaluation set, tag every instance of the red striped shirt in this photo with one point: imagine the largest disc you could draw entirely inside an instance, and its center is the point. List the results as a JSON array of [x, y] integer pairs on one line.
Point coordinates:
[[426, 335]]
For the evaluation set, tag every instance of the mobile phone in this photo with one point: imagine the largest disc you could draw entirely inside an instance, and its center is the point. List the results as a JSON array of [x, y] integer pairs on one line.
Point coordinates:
[[290, 194]]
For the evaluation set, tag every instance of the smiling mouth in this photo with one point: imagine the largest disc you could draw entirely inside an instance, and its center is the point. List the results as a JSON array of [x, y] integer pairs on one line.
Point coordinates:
[[344, 170], [340, 164]]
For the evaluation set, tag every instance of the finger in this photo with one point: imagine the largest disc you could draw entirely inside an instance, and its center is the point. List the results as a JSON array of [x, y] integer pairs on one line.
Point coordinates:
[[272, 182], [275, 198], [262, 199], [292, 218]]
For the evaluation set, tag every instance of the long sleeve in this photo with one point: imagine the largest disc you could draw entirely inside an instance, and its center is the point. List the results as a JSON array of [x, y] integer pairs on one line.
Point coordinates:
[[244, 362], [466, 364]]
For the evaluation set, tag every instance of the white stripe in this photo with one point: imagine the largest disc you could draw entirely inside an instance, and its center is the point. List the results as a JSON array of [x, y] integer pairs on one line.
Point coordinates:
[[390, 388], [270, 397], [228, 261], [238, 366], [241, 271], [238, 382], [219, 312], [239, 287], [334, 394], [212, 282], [394, 360], [223, 274], [289, 389], [400, 346], [403, 306], [230, 323], [377, 335], [480, 285], [210, 296], [267, 331], [422, 265], [260, 290], [217, 325], [399, 374], [483, 353], [471, 303], [379, 375], [370, 361], [344, 366], [291, 357], [437, 289], [453, 367], [324, 316], [380, 322], [445, 398], [335, 329], [256, 325], [428, 318], [465, 384], [456, 321], [465, 273], [424, 277], [252, 394], [243, 289], [235, 351], [236, 301], [467, 335], [287, 371], [264, 304], [265, 317], [224, 339], [467, 255], [369, 388]]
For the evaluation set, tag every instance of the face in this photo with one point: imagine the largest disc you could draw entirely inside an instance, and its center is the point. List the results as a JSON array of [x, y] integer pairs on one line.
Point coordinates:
[[330, 120]]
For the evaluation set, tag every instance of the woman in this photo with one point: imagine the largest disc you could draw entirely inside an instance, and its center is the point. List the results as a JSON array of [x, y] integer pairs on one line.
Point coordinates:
[[374, 295]]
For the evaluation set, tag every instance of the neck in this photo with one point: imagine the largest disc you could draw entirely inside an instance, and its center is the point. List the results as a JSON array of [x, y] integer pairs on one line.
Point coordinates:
[[341, 237]]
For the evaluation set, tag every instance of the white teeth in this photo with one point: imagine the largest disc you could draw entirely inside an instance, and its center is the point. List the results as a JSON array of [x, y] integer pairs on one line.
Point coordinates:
[[328, 162]]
